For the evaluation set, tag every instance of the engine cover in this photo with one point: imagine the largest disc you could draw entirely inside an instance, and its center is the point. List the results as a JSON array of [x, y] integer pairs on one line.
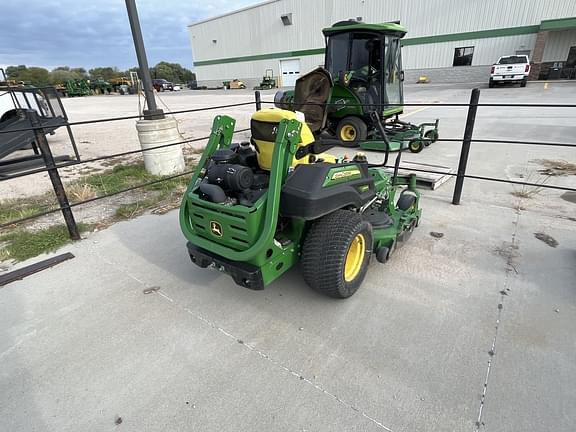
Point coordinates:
[[315, 190]]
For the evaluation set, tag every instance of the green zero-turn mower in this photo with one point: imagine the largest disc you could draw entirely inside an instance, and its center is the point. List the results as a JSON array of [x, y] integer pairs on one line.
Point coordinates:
[[365, 61], [255, 209]]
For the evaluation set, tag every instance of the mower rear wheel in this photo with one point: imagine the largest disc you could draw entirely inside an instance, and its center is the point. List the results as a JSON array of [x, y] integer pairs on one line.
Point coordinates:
[[336, 253], [352, 129]]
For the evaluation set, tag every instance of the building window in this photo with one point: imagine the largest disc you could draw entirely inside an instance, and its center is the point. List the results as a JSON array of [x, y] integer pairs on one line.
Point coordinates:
[[463, 56]]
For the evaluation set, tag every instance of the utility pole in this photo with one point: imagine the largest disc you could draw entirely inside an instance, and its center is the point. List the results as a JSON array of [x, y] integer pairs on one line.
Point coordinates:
[[153, 112], [155, 130]]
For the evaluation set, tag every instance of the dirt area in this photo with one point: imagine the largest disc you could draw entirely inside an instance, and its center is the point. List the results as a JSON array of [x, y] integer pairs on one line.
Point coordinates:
[[106, 138]]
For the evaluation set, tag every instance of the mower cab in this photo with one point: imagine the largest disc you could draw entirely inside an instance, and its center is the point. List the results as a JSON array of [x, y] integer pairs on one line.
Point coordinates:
[[365, 60], [365, 63]]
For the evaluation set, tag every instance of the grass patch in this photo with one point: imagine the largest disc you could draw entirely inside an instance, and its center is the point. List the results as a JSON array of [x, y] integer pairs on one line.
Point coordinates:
[[522, 194], [20, 245], [111, 181], [130, 210], [557, 167], [126, 176], [529, 192], [23, 207]]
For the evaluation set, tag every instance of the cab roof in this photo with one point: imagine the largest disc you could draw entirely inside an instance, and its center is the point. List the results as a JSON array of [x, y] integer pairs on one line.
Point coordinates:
[[352, 26]]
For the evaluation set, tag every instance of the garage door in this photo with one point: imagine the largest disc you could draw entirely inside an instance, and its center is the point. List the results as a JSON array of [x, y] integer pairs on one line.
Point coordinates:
[[290, 71]]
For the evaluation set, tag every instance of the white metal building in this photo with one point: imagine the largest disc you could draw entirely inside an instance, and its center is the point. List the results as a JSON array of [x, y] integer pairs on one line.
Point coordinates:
[[449, 40]]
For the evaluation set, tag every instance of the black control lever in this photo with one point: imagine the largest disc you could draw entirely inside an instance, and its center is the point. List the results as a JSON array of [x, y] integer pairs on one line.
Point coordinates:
[[376, 119]]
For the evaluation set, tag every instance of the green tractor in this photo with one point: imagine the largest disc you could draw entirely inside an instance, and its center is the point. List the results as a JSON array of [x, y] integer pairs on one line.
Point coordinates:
[[255, 209], [268, 81], [365, 62], [77, 87], [100, 86]]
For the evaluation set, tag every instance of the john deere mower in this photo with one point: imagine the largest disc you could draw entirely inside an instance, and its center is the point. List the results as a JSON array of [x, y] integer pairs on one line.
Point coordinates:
[[255, 209], [365, 62]]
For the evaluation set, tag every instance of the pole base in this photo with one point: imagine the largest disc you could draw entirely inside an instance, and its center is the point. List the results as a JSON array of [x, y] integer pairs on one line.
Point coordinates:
[[166, 160]]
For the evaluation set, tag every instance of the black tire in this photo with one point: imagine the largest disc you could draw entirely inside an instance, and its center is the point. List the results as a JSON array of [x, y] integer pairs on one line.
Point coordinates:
[[405, 201], [10, 115], [416, 146], [491, 84], [523, 83], [357, 126], [431, 135], [325, 251]]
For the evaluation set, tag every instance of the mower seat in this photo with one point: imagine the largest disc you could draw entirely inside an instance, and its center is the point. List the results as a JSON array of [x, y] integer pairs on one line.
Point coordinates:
[[264, 127]]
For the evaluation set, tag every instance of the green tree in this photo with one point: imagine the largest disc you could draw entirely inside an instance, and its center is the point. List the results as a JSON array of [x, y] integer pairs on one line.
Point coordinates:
[[61, 74], [31, 75], [80, 71], [106, 73], [173, 72]]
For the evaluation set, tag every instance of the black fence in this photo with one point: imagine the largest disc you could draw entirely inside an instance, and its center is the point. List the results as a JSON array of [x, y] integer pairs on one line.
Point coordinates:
[[52, 166]]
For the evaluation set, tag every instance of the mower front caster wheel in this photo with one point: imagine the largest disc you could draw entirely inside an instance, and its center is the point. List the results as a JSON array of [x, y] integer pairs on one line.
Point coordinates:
[[431, 137], [416, 146], [336, 253]]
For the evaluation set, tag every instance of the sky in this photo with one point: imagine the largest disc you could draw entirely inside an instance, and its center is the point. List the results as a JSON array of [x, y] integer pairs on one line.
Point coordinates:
[[90, 33]]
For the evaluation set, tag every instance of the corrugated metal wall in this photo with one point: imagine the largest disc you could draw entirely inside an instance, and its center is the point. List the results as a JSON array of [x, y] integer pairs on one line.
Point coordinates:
[[486, 51], [259, 30], [558, 45]]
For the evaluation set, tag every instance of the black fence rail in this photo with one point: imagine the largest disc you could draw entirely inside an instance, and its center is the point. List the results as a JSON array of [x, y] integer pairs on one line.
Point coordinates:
[[52, 167]]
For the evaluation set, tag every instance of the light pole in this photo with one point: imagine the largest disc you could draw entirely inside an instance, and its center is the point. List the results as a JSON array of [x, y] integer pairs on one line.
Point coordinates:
[[154, 130], [153, 112]]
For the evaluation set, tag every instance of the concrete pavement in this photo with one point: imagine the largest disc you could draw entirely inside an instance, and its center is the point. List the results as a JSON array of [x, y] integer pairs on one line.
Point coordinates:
[[475, 326]]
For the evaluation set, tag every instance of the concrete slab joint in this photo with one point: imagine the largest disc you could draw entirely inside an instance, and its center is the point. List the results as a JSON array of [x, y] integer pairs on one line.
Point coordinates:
[[155, 133]]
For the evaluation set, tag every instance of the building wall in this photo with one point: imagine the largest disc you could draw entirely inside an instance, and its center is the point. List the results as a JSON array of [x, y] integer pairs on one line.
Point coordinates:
[[486, 51], [558, 45], [258, 32]]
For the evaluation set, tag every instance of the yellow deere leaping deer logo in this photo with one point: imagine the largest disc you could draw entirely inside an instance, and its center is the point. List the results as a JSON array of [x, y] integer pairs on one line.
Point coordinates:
[[216, 228]]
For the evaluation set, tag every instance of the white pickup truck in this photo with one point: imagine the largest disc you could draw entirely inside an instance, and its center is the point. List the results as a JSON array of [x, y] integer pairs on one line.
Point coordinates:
[[514, 69]]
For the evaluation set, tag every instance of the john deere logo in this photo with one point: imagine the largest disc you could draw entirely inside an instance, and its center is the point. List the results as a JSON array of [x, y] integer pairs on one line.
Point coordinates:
[[216, 228], [345, 174]]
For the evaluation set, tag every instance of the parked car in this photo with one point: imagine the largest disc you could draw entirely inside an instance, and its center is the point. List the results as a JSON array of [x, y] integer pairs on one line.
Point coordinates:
[[162, 85], [510, 69]]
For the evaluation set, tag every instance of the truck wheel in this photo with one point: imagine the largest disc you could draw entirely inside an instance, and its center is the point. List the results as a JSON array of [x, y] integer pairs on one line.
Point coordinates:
[[336, 253], [490, 84], [523, 83], [352, 129]]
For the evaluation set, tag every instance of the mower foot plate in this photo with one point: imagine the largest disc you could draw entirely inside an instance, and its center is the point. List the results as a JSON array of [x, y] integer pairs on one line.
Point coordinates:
[[245, 275]]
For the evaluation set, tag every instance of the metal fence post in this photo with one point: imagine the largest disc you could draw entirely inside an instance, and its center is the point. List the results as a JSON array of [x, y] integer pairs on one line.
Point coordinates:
[[258, 100], [54, 175], [468, 131]]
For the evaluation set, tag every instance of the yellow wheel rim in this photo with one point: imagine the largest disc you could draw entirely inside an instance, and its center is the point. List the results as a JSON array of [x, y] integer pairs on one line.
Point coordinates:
[[354, 258], [348, 133]]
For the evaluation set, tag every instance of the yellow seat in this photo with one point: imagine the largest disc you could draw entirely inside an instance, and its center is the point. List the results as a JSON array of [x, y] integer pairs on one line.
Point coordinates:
[[264, 126]]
